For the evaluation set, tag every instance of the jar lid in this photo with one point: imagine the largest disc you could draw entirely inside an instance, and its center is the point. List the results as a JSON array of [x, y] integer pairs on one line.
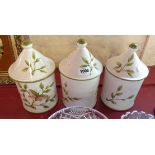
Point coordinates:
[[80, 64], [31, 65], [128, 66]]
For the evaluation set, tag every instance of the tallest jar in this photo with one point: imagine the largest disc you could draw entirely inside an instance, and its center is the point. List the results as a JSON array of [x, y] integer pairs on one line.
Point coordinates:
[[80, 74], [35, 80], [123, 78]]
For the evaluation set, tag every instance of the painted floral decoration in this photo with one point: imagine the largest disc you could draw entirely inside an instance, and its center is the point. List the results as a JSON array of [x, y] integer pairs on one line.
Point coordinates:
[[67, 98], [125, 68], [89, 63], [33, 98], [32, 66], [114, 96]]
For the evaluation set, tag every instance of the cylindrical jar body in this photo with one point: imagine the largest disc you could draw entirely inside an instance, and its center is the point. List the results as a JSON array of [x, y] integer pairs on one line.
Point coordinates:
[[39, 96], [79, 92], [119, 94]]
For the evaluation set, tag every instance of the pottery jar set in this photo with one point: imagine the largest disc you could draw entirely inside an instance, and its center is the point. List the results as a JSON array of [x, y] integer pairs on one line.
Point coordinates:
[[80, 74]]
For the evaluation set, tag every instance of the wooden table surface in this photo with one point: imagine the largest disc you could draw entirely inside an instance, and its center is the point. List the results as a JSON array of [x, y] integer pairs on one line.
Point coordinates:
[[11, 104]]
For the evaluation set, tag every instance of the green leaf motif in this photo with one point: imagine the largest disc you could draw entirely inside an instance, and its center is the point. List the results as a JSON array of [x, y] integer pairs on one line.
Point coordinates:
[[46, 91], [51, 84], [75, 98], [25, 86], [119, 67], [46, 96], [113, 102], [67, 98], [33, 56], [33, 72], [131, 58], [65, 91], [70, 99], [42, 67], [116, 67], [65, 84], [129, 64], [45, 106], [85, 60], [119, 94], [130, 74], [47, 99], [130, 97], [23, 90], [83, 66], [130, 71], [52, 99], [34, 92], [33, 107], [42, 71], [112, 95], [37, 60], [119, 64], [120, 88], [41, 86], [27, 63], [25, 69]]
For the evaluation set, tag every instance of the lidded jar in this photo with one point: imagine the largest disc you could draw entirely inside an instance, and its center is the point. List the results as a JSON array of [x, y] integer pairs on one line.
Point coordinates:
[[34, 77], [123, 78], [80, 74]]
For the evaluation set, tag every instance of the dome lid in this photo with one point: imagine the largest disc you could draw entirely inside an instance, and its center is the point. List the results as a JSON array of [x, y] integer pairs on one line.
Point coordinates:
[[31, 65], [128, 66], [80, 64]]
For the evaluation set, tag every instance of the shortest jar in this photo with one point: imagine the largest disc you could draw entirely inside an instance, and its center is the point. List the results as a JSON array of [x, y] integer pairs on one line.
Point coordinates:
[[34, 77], [123, 78]]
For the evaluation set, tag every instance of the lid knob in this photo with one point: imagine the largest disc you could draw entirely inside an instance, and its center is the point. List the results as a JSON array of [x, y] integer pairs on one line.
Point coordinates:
[[26, 44], [81, 42], [133, 45]]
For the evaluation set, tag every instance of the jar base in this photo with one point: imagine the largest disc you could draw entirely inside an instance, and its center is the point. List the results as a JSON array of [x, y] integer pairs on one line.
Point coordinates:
[[35, 112]]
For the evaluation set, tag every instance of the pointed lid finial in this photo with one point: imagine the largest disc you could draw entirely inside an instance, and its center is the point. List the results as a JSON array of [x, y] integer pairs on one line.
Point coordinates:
[[133, 45], [81, 41], [81, 64]]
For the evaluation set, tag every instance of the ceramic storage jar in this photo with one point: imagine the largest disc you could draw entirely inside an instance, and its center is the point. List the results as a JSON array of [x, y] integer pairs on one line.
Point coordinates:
[[80, 74], [123, 78], [35, 79]]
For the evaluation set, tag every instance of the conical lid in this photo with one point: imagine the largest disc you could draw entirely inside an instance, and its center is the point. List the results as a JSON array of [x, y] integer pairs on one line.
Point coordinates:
[[128, 65], [80, 64], [31, 65]]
